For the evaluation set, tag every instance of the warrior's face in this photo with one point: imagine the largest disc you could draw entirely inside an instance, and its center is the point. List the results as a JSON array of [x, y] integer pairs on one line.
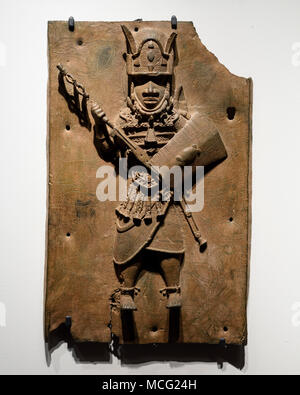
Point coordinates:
[[150, 93], [150, 61]]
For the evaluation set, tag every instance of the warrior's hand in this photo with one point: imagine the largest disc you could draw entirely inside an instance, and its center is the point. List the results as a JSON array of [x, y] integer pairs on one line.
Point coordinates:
[[187, 155], [103, 136]]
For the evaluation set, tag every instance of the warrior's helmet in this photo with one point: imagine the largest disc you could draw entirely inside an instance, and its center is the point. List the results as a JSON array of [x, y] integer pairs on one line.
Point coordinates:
[[149, 52]]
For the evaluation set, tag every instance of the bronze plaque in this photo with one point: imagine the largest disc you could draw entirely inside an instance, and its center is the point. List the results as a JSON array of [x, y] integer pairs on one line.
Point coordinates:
[[137, 270]]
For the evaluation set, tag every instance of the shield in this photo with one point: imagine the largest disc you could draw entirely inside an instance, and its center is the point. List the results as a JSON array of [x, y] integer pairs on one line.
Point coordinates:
[[198, 143]]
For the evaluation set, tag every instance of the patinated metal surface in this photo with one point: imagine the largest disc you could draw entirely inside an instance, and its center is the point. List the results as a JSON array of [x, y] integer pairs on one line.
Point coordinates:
[[82, 278]]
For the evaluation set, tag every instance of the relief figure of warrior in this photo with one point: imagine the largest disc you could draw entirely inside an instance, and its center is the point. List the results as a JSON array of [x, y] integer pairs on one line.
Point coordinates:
[[149, 232]]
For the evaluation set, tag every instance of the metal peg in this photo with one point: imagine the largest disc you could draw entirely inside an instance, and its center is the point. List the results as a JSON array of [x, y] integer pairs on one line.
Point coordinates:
[[71, 24], [68, 321], [223, 343], [174, 22]]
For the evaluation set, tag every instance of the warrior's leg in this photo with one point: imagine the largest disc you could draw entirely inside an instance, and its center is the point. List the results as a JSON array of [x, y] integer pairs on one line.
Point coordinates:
[[170, 266], [127, 275]]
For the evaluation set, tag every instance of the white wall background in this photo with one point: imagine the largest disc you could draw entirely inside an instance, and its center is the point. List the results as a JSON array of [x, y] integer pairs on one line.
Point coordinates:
[[252, 38]]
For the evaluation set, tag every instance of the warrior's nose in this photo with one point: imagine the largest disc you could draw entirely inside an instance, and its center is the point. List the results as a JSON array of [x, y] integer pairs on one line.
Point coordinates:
[[150, 91], [150, 87]]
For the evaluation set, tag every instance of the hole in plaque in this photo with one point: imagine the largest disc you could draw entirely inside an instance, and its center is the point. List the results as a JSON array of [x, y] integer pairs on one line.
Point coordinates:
[[154, 329], [79, 41], [68, 234], [225, 329], [231, 113], [136, 29], [68, 127], [230, 219]]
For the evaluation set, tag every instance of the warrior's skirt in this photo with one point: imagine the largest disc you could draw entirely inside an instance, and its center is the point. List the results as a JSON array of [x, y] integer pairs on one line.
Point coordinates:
[[165, 235]]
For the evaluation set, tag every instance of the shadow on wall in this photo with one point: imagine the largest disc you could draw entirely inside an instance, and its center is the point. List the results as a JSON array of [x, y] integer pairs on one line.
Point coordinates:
[[92, 352]]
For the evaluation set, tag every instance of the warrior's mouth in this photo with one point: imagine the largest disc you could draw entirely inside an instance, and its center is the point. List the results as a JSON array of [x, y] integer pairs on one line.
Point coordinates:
[[151, 99], [150, 95]]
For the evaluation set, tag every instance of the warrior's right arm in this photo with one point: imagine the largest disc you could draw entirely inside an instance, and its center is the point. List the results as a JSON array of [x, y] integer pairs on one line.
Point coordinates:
[[103, 137]]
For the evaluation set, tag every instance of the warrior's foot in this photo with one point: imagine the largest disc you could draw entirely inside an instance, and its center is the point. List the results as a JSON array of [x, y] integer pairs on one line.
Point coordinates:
[[127, 303], [174, 300]]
